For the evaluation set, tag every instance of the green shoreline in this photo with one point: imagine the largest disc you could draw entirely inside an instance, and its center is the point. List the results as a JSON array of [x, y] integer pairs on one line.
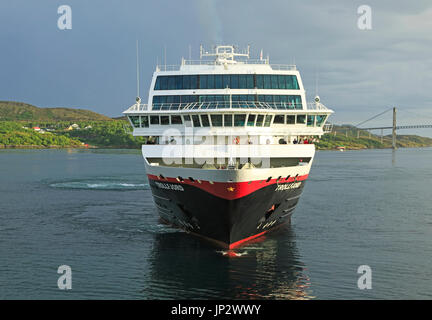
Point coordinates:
[[23, 126]]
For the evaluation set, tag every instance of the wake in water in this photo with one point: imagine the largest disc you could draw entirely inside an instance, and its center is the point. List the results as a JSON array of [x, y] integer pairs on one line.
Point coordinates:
[[100, 184]]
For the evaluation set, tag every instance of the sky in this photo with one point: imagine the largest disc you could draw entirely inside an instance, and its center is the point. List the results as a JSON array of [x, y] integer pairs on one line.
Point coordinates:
[[358, 73]]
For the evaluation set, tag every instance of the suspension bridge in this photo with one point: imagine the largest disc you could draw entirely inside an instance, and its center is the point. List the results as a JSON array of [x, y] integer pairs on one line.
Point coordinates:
[[394, 126]]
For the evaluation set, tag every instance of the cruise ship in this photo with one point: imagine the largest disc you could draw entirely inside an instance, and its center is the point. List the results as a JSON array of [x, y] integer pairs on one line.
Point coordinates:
[[229, 143]]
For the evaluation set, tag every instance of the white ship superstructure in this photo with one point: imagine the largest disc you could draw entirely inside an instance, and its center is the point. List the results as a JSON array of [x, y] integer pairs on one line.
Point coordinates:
[[230, 143]]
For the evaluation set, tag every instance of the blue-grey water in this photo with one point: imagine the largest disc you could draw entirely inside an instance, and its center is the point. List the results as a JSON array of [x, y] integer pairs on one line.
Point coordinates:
[[92, 210]]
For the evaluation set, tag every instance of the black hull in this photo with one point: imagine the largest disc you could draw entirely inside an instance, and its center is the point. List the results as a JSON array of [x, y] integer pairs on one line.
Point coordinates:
[[227, 222]]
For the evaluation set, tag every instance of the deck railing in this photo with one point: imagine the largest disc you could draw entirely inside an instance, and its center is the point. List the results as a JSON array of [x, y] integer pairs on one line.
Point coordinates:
[[164, 67], [218, 105]]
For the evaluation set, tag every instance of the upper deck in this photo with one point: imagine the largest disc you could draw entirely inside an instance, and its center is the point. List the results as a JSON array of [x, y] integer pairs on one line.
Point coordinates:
[[228, 91]]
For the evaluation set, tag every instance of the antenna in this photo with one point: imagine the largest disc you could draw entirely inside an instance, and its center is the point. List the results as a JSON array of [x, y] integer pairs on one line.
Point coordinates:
[[165, 56], [190, 52], [137, 69]]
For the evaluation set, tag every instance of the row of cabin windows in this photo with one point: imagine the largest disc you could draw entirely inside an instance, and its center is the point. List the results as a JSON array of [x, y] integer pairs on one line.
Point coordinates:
[[227, 120], [288, 101], [233, 81]]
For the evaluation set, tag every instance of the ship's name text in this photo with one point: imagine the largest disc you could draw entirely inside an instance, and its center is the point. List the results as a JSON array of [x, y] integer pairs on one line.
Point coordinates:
[[169, 186], [288, 186]]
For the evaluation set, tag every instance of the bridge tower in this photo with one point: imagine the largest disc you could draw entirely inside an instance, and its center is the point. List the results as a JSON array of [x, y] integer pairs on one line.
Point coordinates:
[[394, 130]]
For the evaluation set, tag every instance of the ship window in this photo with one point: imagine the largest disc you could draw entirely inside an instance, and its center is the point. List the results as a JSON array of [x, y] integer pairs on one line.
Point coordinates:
[[250, 81], [268, 98], [187, 121], [279, 119], [205, 120], [310, 121], [196, 121], [135, 121], [239, 120], [301, 118], [164, 83], [164, 120], [226, 83], [228, 120], [242, 81], [251, 120], [267, 81], [194, 82], [158, 83], [279, 101], [203, 81], [186, 82], [171, 83], [235, 81], [218, 81], [268, 119], [274, 81], [154, 119], [260, 120], [216, 120], [259, 81], [144, 121], [282, 82], [298, 102], [294, 83], [320, 120], [178, 82], [290, 119], [176, 120], [210, 81]]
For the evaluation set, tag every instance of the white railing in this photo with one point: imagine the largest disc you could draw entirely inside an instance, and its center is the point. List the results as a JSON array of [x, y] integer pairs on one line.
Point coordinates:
[[328, 128], [164, 67], [312, 106]]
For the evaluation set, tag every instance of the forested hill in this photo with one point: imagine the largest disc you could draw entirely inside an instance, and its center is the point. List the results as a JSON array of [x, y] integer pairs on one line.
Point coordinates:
[[19, 111]]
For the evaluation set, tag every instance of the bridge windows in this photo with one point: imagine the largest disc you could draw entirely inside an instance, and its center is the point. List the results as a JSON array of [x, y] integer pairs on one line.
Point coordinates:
[[144, 122], [187, 120], [251, 120], [290, 119], [164, 120], [301, 118], [320, 119], [135, 121], [233, 81], [228, 120], [205, 120], [239, 120], [154, 119], [279, 119], [310, 120], [176, 120], [260, 120], [216, 120], [196, 121], [267, 121]]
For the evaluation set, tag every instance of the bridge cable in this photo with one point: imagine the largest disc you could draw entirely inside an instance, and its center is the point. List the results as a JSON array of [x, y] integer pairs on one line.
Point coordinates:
[[376, 116]]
